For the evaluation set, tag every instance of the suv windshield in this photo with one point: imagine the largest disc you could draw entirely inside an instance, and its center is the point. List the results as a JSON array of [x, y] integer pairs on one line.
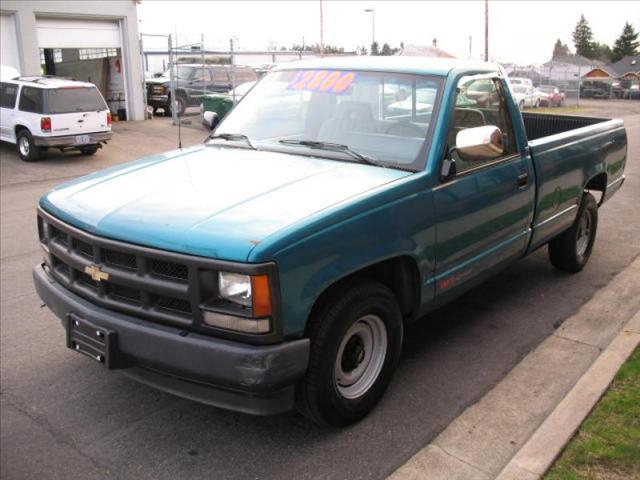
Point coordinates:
[[74, 99], [384, 117]]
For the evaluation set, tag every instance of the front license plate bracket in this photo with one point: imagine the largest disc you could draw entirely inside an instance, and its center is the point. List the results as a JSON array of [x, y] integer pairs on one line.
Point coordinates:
[[93, 341]]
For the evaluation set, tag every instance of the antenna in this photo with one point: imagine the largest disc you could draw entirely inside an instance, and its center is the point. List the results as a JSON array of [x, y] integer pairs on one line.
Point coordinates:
[[175, 95]]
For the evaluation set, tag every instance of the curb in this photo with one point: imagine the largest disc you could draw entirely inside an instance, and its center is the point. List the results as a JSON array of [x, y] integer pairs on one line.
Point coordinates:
[[546, 444], [517, 429]]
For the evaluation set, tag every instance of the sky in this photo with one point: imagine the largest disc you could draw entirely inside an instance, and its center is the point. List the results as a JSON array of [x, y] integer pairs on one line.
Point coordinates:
[[522, 32]]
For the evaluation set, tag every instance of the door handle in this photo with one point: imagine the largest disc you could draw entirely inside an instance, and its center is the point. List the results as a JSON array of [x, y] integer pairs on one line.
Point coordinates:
[[523, 180]]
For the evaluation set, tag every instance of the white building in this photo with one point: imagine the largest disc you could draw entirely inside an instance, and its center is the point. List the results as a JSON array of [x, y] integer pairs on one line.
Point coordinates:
[[95, 41]]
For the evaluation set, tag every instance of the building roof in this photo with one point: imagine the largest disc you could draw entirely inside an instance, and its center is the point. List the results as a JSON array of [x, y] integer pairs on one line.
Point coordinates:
[[630, 64], [416, 65], [577, 60], [423, 51]]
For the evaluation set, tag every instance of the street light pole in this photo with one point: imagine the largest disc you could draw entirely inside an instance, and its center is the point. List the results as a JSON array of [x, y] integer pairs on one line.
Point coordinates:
[[373, 25], [486, 30], [321, 32]]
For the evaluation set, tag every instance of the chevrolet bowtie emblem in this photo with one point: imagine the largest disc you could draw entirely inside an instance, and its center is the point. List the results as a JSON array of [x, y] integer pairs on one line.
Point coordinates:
[[96, 274]]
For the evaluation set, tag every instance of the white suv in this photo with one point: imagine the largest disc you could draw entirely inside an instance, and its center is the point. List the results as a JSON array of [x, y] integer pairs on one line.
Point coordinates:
[[41, 112]]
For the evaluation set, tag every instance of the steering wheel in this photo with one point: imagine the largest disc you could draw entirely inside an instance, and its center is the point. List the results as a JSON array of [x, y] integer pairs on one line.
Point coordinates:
[[404, 126]]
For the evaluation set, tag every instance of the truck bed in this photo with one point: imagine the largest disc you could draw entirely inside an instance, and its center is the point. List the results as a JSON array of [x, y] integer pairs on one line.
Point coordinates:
[[540, 125], [571, 154]]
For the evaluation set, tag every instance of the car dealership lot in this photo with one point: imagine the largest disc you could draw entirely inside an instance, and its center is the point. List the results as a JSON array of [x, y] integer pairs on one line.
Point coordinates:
[[72, 419]]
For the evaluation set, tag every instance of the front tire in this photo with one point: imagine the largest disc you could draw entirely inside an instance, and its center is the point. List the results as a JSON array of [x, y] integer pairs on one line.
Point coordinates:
[[356, 339], [570, 251], [27, 149]]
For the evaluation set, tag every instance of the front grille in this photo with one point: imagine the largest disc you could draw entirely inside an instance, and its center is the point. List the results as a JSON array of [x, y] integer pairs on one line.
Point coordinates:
[[173, 304], [83, 248], [119, 259], [117, 276], [146, 283], [170, 270]]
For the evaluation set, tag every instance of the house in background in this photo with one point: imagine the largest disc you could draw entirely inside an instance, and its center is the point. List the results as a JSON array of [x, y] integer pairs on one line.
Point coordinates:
[[619, 80], [424, 51]]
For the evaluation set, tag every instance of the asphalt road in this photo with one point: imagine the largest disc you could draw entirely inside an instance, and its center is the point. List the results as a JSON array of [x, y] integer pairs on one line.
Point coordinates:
[[63, 416]]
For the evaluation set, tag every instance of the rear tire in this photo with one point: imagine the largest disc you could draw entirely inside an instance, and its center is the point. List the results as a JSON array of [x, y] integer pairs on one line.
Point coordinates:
[[27, 150], [91, 150], [356, 339], [570, 251]]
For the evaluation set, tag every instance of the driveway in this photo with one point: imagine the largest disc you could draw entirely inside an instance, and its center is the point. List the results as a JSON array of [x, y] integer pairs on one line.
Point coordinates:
[[66, 417]]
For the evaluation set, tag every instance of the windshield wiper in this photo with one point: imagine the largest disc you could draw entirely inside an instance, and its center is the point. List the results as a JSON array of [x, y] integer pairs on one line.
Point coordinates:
[[338, 147], [232, 137]]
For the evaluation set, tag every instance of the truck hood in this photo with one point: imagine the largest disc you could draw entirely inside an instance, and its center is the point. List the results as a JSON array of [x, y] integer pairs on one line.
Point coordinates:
[[213, 201]]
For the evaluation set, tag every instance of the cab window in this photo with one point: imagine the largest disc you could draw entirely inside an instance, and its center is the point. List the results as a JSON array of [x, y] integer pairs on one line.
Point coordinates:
[[480, 101]]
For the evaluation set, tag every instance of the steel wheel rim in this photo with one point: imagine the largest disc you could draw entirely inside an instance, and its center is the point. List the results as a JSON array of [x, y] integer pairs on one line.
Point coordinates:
[[360, 357], [24, 146], [584, 234]]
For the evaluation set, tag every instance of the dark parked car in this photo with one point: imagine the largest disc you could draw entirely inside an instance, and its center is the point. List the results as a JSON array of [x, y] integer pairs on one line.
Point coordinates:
[[193, 82]]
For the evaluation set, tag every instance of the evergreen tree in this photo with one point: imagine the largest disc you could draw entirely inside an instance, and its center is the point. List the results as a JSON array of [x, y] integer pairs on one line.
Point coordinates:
[[374, 49], [583, 38], [627, 43], [560, 50], [602, 52]]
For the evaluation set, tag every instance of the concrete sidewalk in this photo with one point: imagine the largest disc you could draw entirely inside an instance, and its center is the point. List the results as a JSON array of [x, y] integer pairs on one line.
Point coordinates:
[[518, 428]]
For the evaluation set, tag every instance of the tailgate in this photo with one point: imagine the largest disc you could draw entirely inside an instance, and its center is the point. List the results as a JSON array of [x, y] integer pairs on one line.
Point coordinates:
[[76, 110], [78, 123]]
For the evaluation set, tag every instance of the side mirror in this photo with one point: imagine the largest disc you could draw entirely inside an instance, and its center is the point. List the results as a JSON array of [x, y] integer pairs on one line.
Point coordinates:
[[210, 120], [479, 143]]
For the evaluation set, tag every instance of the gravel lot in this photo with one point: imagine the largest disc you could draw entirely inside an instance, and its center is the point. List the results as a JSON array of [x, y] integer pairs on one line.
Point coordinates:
[[65, 417]]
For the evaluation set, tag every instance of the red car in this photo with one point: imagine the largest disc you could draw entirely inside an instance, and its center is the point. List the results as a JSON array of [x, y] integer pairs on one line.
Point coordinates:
[[550, 96]]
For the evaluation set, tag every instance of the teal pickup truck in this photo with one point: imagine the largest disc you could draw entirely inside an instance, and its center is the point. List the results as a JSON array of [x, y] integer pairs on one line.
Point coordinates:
[[276, 265]]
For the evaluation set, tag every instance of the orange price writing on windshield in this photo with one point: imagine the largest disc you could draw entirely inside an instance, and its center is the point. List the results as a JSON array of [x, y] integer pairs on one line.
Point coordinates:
[[322, 81]]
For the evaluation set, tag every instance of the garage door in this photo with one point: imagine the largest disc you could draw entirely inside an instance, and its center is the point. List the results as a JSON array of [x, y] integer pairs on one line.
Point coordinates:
[[68, 33], [9, 46]]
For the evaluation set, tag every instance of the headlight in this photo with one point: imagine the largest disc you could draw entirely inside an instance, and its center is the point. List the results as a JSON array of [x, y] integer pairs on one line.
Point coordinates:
[[248, 291], [235, 287]]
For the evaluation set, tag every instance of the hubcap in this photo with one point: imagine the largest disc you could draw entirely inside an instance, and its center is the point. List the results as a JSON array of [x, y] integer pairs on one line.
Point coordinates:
[[584, 234], [360, 356], [24, 146]]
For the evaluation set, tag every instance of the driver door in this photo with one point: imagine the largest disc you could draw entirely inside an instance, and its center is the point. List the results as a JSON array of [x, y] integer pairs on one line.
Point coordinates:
[[483, 211]]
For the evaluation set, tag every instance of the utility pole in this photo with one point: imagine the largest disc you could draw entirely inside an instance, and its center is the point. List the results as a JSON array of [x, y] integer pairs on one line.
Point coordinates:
[[372, 11], [321, 32], [486, 30]]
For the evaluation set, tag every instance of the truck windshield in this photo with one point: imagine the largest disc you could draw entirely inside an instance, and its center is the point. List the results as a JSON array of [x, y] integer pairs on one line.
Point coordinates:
[[385, 117], [75, 99]]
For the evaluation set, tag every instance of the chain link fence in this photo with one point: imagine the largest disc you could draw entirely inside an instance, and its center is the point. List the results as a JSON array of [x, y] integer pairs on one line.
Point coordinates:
[[576, 82], [182, 79]]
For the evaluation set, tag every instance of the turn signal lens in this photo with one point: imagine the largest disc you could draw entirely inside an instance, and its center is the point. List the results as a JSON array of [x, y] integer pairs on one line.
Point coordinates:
[[109, 120], [45, 124], [261, 293]]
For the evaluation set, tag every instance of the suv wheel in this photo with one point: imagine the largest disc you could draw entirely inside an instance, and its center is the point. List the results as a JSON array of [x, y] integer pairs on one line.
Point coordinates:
[[89, 150], [27, 150], [356, 340]]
